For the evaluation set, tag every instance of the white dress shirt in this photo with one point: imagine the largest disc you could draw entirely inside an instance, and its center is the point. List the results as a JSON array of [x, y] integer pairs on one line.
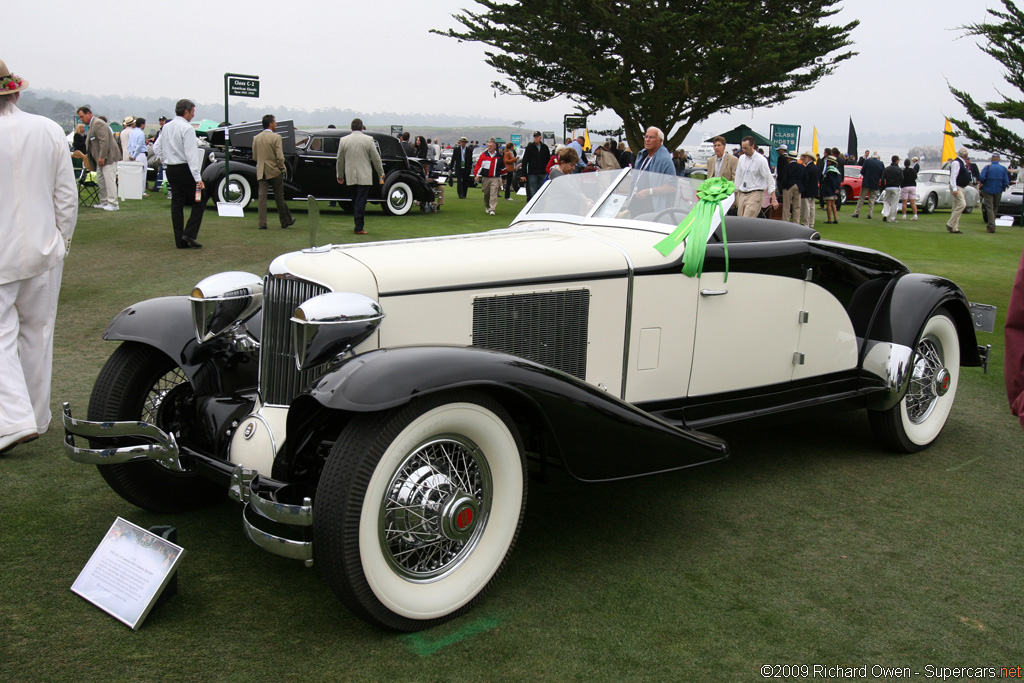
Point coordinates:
[[177, 145], [752, 173], [38, 196]]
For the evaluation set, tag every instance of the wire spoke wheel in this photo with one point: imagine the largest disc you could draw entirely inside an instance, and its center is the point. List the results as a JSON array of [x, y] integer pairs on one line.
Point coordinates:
[[436, 508], [917, 420]]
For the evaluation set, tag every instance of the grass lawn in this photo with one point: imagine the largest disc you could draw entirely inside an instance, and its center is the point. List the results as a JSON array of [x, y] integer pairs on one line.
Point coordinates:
[[809, 546]]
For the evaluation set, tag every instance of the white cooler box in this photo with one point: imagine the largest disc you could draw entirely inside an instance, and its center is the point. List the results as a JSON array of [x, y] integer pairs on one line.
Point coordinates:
[[131, 179]]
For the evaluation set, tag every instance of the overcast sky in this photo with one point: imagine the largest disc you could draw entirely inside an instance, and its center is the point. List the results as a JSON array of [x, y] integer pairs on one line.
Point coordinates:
[[379, 56]]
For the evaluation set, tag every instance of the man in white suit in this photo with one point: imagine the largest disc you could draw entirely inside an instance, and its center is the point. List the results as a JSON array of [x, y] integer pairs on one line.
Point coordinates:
[[38, 211], [359, 166]]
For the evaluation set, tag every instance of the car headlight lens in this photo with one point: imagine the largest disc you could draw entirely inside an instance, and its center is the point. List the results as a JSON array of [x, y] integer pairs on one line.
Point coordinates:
[[330, 324], [224, 300]]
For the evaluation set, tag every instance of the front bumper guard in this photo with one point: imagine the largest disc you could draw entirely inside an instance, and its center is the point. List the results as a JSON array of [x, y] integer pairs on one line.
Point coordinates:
[[276, 520], [162, 447], [273, 519]]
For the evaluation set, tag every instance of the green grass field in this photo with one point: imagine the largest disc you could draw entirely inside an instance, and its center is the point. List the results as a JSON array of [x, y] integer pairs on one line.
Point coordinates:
[[810, 546]]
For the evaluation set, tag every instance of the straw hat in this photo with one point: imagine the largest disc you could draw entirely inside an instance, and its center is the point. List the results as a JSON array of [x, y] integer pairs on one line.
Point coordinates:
[[9, 83], [128, 120]]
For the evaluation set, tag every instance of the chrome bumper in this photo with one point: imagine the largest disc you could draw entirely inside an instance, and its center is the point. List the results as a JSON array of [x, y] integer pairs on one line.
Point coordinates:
[[162, 447], [273, 520]]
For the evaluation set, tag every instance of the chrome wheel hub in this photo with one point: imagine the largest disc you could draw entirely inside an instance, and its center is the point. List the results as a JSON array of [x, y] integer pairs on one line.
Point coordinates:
[[929, 381], [435, 509]]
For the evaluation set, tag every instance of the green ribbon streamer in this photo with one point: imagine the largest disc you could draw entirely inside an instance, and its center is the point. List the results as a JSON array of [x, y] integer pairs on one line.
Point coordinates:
[[712, 192]]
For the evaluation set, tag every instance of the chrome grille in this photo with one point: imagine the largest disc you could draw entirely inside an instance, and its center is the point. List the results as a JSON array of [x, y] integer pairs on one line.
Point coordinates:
[[547, 327], [280, 380]]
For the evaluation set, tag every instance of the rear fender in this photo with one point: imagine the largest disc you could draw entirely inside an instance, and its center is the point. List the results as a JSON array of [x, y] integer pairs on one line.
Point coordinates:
[[914, 299], [598, 436]]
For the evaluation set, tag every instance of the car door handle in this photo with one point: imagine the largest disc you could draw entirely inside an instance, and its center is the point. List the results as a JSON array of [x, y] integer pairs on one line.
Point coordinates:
[[713, 292]]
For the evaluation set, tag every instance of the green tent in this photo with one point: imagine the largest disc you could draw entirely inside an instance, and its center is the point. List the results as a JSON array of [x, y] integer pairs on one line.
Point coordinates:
[[206, 124], [736, 135]]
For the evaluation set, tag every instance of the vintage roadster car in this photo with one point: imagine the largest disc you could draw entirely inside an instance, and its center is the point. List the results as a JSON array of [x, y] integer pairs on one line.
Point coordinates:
[[310, 157], [379, 408]]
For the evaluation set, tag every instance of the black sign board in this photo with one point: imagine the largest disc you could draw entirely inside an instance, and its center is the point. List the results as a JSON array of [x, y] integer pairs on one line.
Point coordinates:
[[243, 87]]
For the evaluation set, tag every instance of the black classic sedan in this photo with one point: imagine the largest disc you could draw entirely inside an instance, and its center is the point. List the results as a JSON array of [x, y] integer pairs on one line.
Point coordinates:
[[310, 159]]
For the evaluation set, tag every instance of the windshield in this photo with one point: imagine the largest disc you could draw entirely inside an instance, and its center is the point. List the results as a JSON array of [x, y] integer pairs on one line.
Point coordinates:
[[634, 195]]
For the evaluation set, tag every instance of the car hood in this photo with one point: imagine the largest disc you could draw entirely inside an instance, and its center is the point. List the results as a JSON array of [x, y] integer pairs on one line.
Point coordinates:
[[497, 258]]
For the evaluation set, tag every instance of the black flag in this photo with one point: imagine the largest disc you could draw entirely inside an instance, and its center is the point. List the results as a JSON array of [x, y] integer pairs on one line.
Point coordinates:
[[851, 144]]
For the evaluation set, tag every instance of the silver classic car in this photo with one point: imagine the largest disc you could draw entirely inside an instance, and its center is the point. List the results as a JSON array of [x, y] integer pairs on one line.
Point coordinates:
[[933, 191], [379, 408]]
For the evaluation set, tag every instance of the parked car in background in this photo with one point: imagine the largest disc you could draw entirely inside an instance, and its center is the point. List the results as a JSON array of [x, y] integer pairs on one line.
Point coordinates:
[[310, 159], [849, 191], [933, 191], [379, 408], [1009, 204]]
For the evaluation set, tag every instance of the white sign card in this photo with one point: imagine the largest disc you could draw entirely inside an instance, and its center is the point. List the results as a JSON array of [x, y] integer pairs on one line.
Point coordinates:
[[230, 210], [127, 572]]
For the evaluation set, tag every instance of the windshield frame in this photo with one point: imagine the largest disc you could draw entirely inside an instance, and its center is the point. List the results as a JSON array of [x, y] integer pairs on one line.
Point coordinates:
[[620, 183]]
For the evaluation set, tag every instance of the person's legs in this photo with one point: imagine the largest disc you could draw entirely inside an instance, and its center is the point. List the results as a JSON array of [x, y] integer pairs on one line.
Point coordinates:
[[284, 214], [175, 177], [959, 204], [359, 196], [261, 203], [195, 217], [17, 417], [533, 184], [106, 178], [872, 198]]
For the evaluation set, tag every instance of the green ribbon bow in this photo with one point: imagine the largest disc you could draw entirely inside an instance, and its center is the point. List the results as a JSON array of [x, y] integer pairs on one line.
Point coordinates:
[[712, 192]]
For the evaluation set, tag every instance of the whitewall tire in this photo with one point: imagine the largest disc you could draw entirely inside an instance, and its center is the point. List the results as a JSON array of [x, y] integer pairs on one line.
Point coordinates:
[[916, 421], [418, 508], [241, 186]]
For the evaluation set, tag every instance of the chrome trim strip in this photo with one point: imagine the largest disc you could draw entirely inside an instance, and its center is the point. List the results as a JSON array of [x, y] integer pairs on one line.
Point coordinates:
[[892, 363], [164, 450], [276, 545]]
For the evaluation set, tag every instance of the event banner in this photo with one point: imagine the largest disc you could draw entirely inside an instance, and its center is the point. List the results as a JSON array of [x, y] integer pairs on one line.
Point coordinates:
[[784, 134], [127, 572]]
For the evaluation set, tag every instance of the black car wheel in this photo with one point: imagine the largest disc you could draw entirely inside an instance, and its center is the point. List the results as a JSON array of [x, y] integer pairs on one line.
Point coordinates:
[[418, 508], [398, 199], [915, 422], [930, 203], [139, 382], [239, 191]]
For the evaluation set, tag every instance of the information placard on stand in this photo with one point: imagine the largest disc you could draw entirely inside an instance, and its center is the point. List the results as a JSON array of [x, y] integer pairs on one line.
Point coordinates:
[[127, 572]]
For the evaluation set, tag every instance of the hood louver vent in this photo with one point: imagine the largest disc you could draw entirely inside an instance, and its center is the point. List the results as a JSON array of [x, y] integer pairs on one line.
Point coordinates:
[[547, 327]]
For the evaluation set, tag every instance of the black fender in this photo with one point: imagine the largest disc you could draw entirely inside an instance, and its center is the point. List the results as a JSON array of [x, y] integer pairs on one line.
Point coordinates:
[[215, 171], [421, 189], [165, 323], [598, 436], [902, 315]]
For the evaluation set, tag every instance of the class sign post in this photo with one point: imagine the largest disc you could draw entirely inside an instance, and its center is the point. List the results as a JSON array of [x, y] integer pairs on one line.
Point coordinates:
[[243, 86]]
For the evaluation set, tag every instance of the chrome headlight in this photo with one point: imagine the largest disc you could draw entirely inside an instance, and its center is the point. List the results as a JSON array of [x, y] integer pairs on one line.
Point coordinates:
[[330, 324], [224, 300]]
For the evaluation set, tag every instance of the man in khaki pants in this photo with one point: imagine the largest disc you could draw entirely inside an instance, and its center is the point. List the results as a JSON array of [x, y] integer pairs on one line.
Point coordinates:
[[269, 154]]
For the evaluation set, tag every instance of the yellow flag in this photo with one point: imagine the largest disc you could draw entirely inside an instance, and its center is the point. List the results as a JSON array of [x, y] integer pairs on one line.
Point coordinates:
[[948, 144], [814, 144], [586, 139]]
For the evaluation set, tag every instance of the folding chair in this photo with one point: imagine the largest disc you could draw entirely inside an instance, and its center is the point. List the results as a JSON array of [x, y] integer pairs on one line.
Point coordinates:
[[88, 188]]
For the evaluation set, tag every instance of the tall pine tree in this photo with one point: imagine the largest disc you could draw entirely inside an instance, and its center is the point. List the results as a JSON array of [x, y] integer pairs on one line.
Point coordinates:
[[663, 63], [1004, 42]]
